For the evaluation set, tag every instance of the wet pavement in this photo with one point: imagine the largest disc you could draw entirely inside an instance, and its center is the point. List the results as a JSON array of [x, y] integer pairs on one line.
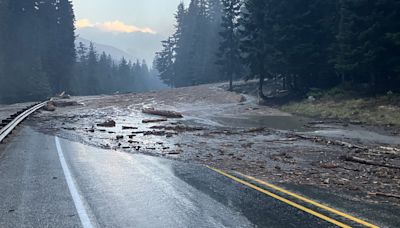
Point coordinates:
[[125, 190]]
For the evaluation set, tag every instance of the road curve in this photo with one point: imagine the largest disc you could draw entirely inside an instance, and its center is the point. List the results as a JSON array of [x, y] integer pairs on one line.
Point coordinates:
[[49, 182]]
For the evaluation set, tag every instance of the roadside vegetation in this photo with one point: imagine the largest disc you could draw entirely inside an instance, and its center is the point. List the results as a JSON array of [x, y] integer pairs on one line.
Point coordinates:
[[349, 106]]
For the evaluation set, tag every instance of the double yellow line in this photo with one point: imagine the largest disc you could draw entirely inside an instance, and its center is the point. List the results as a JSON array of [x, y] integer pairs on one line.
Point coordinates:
[[296, 205]]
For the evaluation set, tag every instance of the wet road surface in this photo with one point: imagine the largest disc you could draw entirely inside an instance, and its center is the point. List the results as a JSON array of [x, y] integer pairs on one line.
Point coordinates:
[[50, 182]]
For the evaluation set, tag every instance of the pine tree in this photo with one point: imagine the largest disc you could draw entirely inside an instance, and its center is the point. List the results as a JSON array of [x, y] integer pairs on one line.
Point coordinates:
[[124, 75], [58, 42], [367, 41], [257, 42], [26, 70], [3, 41], [66, 44], [164, 62], [92, 81], [229, 54], [189, 56], [303, 37]]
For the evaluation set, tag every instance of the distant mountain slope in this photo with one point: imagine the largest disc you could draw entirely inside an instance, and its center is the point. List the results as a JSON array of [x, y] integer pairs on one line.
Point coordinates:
[[138, 45], [115, 53]]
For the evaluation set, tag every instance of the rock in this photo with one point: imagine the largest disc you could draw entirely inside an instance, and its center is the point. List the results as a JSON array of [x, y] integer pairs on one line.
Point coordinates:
[[50, 107], [119, 137], [311, 98], [329, 165], [327, 181], [242, 99], [108, 123], [63, 103]]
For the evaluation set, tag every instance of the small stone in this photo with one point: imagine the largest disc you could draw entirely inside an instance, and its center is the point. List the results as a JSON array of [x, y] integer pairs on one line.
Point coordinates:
[[119, 137]]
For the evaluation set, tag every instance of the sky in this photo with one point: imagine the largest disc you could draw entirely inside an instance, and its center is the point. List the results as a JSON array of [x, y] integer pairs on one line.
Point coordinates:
[[127, 16]]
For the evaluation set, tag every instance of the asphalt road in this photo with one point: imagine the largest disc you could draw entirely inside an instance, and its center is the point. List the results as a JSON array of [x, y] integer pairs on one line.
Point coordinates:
[[50, 182]]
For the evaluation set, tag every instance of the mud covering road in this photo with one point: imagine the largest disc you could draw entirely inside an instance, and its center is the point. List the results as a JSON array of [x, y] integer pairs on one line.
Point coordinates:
[[230, 131]]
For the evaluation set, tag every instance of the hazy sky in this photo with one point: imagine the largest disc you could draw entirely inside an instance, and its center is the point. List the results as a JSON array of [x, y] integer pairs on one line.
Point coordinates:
[[153, 16]]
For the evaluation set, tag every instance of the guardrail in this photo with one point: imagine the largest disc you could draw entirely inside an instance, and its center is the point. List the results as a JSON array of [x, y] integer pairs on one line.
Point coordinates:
[[17, 118]]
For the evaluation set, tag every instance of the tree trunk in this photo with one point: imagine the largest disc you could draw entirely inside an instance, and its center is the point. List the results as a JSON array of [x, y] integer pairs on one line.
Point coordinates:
[[231, 82], [284, 82], [373, 83], [260, 88]]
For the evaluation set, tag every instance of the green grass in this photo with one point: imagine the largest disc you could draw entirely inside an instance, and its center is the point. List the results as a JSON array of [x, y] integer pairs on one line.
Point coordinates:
[[380, 110]]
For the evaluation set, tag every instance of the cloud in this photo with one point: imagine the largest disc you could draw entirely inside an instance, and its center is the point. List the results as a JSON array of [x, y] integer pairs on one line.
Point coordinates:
[[112, 26], [83, 23]]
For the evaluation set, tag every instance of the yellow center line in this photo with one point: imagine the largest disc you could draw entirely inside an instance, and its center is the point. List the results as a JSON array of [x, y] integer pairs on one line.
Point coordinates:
[[293, 204], [362, 222]]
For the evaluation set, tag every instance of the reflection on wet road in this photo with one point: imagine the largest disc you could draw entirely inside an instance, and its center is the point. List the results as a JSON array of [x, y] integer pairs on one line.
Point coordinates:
[[124, 190]]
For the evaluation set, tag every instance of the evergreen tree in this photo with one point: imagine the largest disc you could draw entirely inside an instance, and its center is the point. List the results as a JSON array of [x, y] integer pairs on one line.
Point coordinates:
[[304, 36], [257, 43], [92, 81], [66, 44], [25, 71], [58, 42], [3, 39], [367, 41], [189, 55], [164, 62], [229, 54]]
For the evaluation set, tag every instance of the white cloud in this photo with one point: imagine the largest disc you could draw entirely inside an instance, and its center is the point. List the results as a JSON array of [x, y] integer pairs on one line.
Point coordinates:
[[112, 26], [83, 23]]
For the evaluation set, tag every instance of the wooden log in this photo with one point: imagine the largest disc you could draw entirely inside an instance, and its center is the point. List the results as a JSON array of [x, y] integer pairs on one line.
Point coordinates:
[[154, 120], [368, 162], [164, 113]]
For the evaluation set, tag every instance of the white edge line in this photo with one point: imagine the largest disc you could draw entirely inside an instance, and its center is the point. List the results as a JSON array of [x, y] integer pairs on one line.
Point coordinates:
[[80, 208]]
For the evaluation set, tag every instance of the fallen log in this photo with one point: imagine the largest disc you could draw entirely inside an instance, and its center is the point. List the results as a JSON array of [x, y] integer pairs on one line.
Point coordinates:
[[254, 130], [154, 120], [282, 140], [108, 123], [368, 162], [129, 128], [384, 194], [164, 113], [180, 128], [331, 142]]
